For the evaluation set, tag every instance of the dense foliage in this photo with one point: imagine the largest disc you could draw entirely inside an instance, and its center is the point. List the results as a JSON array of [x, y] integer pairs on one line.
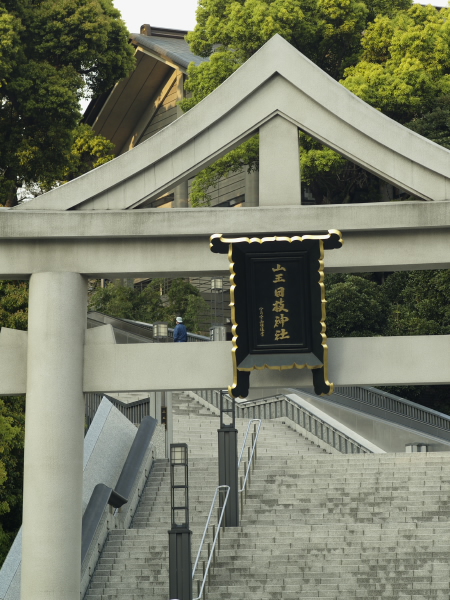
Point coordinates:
[[12, 430], [13, 314], [395, 56], [401, 303], [356, 307], [405, 62], [52, 53]]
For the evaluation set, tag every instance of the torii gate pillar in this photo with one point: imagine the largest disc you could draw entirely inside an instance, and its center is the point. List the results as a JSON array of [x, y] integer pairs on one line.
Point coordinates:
[[279, 163], [52, 506]]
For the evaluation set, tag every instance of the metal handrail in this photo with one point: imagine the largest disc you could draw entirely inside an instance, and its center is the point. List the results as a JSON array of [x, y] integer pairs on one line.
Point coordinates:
[[396, 404], [282, 406], [219, 524], [259, 421]]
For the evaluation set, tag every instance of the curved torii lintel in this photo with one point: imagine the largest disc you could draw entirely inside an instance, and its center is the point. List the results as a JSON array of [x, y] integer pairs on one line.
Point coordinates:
[[277, 80]]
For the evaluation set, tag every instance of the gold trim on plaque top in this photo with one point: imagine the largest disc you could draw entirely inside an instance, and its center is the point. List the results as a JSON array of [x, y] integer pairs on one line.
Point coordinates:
[[321, 238]]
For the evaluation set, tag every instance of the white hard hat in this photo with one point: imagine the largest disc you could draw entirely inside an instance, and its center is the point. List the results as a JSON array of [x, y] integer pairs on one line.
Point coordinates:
[[179, 320]]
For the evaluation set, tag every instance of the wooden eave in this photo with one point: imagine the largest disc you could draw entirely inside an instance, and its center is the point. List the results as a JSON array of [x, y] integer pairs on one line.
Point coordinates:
[[130, 97]]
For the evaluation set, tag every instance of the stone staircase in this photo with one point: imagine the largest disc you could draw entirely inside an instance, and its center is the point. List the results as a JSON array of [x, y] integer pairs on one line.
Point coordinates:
[[341, 527], [314, 525], [134, 562]]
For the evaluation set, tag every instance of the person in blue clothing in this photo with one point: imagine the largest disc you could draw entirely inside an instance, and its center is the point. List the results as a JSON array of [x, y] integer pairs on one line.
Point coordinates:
[[180, 331]]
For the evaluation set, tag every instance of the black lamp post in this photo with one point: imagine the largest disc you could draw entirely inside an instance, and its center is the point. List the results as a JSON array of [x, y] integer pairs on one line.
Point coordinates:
[[180, 563], [228, 459]]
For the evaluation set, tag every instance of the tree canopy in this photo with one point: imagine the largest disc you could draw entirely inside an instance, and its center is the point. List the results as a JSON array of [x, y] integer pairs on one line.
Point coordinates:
[[405, 62], [53, 53], [12, 421]]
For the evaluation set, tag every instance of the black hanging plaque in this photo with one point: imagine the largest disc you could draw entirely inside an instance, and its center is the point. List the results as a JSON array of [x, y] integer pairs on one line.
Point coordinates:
[[278, 305]]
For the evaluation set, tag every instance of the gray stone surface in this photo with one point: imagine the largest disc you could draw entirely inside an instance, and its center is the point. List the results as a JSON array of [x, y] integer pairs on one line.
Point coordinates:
[[54, 436], [13, 371], [190, 256], [159, 441], [400, 360], [314, 525], [279, 166], [352, 361], [129, 553], [113, 442], [119, 225], [94, 431]]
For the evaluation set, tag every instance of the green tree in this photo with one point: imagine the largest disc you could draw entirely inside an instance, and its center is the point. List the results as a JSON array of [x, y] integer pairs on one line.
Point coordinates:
[[435, 125], [12, 421], [246, 156], [128, 302], [356, 307], [53, 52], [13, 314], [14, 304], [405, 63], [420, 302], [184, 300]]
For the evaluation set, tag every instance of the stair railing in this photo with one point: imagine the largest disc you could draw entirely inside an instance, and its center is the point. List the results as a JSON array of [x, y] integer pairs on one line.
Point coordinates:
[[280, 406], [216, 540], [251, 461]]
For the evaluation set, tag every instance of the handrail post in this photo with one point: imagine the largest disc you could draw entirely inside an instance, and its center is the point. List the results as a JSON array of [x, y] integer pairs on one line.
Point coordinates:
[[228, 461], [242, 496]]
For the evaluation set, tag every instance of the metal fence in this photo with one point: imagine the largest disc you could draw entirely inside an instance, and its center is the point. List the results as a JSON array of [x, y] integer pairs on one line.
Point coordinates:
[[134, 411], [127, 331], [394, 404]]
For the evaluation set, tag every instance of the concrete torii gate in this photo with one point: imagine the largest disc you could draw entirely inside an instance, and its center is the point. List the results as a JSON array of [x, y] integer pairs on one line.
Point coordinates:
[[84, 229]]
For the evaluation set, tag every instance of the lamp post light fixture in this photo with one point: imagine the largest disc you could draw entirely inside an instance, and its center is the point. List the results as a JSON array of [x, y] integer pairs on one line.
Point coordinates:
[[216, 289], [161, 331], [228, 458], [216, 284], [179, 484]]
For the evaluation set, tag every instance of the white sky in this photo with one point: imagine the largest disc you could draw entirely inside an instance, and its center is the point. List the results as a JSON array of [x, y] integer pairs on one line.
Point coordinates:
[[174, 14]]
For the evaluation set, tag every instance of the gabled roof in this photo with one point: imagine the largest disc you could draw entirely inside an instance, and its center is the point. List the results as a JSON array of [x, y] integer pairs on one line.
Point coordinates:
[[277, 80], [159, 52], [174, 49]]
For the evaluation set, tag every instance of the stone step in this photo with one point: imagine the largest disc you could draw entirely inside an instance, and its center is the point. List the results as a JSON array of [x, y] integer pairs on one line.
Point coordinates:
[[314, 525]]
